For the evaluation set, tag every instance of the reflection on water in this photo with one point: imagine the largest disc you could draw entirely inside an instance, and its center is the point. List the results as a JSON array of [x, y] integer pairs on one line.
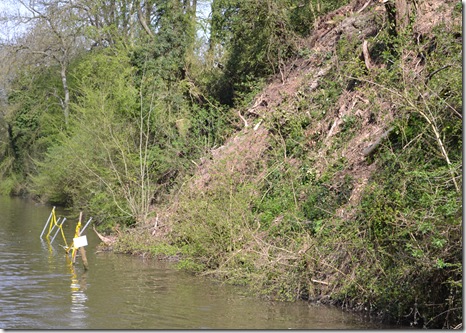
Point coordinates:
[[78, 297], [41, 289], [78, 285]]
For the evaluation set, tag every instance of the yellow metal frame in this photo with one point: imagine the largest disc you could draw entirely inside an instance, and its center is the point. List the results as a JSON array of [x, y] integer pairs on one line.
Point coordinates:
[[73, 248], [76, 234], [54, 223]]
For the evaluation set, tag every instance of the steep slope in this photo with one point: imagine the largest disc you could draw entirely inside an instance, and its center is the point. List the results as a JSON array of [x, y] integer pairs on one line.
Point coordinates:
[[343, 184]]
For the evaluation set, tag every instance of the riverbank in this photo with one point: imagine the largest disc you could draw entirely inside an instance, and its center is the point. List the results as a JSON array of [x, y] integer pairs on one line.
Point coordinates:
[[336, 189], [41, 290]]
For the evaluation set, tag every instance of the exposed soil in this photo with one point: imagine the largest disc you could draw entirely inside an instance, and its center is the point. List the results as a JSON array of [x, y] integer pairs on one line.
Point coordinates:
[[241, 154], [356, 20]]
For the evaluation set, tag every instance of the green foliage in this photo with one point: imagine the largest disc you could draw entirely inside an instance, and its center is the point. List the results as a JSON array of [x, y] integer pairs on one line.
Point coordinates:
[[209, 126], [252, 39], [134, 242], [326, 97], [406, 217], [30, 118], [131, 133], [410, 212], [303, 14], [277, 208], [11, 185], [213, 226], [80, 166]]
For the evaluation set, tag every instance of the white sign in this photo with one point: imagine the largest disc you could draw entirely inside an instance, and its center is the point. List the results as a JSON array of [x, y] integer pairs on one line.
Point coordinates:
[[80, 241]]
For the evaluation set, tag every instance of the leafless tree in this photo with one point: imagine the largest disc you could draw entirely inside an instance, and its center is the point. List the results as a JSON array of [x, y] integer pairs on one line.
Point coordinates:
[[52, 35]]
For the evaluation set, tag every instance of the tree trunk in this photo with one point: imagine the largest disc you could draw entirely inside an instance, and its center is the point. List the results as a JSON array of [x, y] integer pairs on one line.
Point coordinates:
[[399, 14], [403, 13], [66, 101], [143, 20]]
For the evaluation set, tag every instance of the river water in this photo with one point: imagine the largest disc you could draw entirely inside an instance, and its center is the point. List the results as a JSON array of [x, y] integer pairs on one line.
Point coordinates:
[[41, 289]]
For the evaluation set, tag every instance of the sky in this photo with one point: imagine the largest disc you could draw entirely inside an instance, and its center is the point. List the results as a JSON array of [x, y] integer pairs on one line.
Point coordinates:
[[8, 7]]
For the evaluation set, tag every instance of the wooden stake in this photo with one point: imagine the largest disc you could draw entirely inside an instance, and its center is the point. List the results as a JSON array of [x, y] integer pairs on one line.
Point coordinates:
[[82, 252]]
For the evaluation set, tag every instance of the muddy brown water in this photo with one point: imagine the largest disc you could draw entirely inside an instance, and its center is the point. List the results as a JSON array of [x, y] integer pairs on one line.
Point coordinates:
[[40, 289]]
